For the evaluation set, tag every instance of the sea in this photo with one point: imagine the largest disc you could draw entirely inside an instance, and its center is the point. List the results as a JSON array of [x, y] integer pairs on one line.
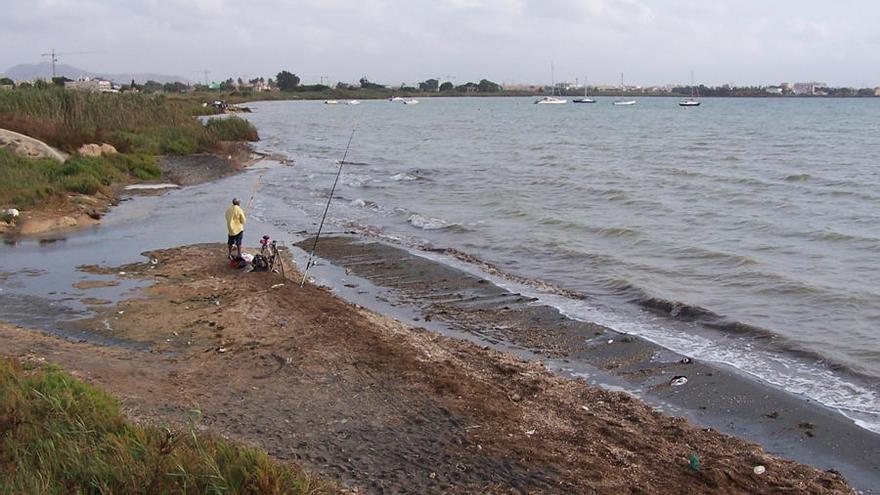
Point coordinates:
[[745, 231]]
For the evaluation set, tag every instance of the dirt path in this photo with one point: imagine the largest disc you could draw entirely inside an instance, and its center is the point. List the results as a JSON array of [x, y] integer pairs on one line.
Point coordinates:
[[383, 407]]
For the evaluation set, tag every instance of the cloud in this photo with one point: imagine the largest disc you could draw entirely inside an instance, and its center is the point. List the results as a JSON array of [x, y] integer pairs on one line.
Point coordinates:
[[744, 41]]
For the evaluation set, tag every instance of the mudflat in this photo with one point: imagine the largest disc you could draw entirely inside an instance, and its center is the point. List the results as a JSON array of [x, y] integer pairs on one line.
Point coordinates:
[[379, 406]]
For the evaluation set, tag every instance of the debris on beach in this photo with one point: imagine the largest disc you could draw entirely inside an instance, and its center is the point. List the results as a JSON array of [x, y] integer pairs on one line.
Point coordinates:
[[678, 381], [694, 462], [759, 470]]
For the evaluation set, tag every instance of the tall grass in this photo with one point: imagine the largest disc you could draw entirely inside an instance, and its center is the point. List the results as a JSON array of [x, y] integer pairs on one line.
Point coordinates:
[[62, 436], [68, 119], [25, 182], [231, 129]]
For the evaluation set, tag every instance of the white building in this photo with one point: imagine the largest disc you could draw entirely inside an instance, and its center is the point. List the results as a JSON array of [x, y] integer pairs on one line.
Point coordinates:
[[86, 84]]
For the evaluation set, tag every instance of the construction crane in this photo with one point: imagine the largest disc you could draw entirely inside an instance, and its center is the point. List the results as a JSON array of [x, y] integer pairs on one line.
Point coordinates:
[[53, 57]]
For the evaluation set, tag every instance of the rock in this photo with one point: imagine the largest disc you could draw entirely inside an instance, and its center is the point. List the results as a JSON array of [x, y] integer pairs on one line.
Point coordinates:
[[96, 150], [28, 147], [89, 150]]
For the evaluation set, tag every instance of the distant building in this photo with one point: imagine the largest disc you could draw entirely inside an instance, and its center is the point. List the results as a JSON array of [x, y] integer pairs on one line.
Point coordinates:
[[877, 91], [808, 88], [96, 85], [774, 90]]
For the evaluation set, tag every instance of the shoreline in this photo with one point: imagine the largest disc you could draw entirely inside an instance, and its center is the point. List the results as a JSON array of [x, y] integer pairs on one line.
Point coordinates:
[[80, 211], [715, 395], [379, 405]]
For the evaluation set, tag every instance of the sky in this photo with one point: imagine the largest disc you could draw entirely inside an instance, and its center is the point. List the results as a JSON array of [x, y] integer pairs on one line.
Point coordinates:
[[742, 42]]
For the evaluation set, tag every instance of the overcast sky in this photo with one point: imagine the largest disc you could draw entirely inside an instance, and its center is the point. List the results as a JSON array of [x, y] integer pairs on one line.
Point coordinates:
[[651, 41]]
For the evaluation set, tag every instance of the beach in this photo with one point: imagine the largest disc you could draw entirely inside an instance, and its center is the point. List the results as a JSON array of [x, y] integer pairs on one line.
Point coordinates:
[[378, 405]]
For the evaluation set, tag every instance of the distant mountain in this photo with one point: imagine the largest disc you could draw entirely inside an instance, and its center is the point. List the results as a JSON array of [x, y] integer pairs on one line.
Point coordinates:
[[27, 72]]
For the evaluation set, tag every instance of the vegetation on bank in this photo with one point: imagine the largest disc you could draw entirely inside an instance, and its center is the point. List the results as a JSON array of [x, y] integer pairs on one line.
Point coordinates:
[[141, 128], [25, 182], [60, 435], [132, 122]]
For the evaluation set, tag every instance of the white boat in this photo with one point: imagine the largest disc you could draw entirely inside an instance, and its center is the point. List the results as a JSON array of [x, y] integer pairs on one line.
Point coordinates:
[[396, 98], [552, 99], [352, 102], [621, 102], [585, 99], [695, 93], [411, 102], [331, 102]]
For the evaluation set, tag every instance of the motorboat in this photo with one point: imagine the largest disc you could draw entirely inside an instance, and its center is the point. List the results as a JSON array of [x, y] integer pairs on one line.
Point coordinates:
[[396, 98], [352, 102], [331, 102], [411, 101], [550, 100]]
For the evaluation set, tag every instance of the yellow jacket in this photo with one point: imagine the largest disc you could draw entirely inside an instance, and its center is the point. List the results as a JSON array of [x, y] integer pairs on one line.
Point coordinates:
[[235, 219]]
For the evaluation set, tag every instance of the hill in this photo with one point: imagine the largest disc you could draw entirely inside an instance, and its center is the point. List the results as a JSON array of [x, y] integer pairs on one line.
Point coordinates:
[[27, 72]]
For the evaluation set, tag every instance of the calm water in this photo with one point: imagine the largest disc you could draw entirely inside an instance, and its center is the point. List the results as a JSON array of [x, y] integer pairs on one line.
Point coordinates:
[[757, 215]]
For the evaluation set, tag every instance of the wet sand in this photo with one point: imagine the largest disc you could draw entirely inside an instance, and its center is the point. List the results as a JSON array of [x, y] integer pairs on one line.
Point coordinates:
[[713, 396], [383, 407]]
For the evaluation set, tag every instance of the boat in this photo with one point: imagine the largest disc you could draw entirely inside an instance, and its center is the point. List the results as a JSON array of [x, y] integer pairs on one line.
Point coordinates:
[[552, 99], [352, 102], [396, 98], [411, 101], [331, 102], [620, 102], [695, 93], [585, 99]]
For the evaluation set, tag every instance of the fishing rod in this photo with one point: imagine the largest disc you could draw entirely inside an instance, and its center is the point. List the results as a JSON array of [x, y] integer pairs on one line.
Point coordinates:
[[250, 202], [326, 208]]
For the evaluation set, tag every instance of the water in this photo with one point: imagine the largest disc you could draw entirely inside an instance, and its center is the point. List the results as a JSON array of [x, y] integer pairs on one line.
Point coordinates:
[[749, 225]]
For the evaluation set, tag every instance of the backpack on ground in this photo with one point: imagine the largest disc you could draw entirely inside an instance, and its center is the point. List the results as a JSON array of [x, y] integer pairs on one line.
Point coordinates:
[[260, 263]]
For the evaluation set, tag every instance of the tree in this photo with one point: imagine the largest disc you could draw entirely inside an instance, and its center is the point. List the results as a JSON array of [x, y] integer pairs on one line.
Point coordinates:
[[430, 85], [175, 87], [6, 82], [447, 86], [366, 84], [287, 81], [152, 87], [487, 86], [60, 80]]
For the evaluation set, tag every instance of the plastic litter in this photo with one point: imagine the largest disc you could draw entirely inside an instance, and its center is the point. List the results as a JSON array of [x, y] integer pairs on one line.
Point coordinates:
[[678, 381], [759, 470], [247, 257], [694, 462], [686, 360]]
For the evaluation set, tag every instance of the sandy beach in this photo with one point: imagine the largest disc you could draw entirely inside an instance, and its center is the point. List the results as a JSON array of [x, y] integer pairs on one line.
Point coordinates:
[[378, 405]]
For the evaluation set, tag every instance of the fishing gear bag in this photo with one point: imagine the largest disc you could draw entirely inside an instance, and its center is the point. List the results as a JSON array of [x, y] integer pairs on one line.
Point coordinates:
[[260, 263]]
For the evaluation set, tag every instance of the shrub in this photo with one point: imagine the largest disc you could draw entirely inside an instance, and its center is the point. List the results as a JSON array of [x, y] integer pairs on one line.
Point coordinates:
[[232, 129]]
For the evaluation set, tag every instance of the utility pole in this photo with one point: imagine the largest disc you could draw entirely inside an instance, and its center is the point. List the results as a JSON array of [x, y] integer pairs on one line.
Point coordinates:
[[206, 72], [53, 58]]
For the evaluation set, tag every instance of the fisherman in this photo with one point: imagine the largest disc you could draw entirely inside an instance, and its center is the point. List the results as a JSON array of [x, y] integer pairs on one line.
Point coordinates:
[[235, 225]]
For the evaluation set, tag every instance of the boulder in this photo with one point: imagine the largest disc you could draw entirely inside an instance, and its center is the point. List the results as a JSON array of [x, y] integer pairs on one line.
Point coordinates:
[[96, 150], [28, 147]]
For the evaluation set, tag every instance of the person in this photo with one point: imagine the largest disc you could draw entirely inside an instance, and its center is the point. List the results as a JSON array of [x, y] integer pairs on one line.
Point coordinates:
[[235, 225]]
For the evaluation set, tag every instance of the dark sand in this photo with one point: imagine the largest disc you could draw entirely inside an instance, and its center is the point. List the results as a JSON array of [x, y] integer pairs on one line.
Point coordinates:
[[380, 406], [714, 396]]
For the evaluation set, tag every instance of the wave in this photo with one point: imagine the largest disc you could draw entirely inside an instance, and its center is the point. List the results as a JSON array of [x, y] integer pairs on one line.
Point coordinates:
[[429, 223], [798, 178]]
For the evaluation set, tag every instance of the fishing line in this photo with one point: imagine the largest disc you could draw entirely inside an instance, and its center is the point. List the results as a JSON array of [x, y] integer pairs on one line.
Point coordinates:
[[327, 207], [253, 193]]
